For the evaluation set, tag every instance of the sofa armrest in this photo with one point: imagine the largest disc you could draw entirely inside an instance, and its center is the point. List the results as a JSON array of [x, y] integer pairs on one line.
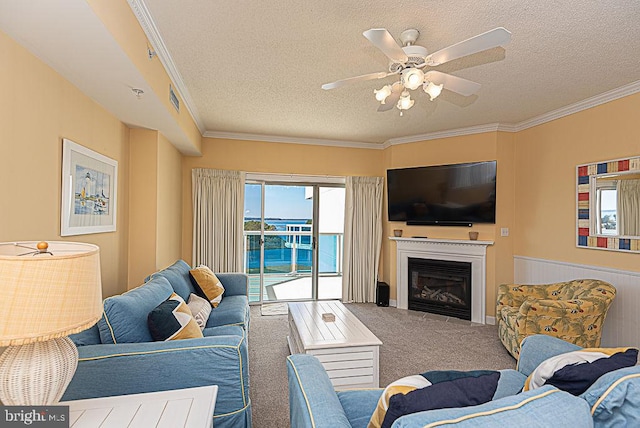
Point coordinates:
[[312, 400], [131, 368], [235, 284]]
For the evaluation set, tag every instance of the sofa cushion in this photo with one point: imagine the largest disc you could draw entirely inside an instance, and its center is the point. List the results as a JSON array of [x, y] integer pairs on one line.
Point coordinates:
[[178, 276], [172, 320], [207, 284], [575, 371], [200, 308], [232, 310], [90, 336], [224, 330], [125, 316], [358, 405]]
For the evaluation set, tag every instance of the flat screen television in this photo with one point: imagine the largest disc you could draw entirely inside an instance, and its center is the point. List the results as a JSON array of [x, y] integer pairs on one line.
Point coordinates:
[[447, 195]]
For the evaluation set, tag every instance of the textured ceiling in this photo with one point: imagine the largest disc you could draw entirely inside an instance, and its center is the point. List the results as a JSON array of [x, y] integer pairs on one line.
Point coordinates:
[[256, 67]]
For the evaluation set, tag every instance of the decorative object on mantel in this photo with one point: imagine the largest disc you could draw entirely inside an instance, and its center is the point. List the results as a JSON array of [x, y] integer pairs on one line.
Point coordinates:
[[89, 191], [473, 235], [593, 180], [50, 290], [397, 233], [328, 317]]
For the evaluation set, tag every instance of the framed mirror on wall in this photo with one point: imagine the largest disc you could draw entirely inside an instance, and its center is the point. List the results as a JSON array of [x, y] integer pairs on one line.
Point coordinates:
[[608, 205]]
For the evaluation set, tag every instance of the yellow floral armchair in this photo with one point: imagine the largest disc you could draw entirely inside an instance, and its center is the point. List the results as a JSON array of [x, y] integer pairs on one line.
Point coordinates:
[[573, 311]]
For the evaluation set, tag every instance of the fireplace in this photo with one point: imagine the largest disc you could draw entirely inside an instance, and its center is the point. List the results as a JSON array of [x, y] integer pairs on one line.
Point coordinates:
[[440, 286]]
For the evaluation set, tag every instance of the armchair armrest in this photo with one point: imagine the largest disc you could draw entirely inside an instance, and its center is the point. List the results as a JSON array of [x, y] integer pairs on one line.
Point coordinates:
[[131, 368], [312, 400], [235, 284]]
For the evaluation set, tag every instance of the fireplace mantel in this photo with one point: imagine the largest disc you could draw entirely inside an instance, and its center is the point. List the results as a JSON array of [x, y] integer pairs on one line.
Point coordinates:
[[474, 252]]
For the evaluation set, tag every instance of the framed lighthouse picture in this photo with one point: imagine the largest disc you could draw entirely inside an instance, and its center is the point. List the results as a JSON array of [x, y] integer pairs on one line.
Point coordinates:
[[89, 191]]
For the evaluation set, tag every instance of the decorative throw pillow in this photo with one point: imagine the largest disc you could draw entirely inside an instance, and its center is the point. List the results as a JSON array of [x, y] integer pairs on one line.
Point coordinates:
[[576, 371], [400, 386], [433, 390], [172, 320], [200, 308], [207, 284], [461, 392]]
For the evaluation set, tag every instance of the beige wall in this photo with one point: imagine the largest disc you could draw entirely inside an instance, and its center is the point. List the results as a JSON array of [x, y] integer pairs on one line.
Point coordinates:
[[545, 164], [155, 214], [39, 108], [169, 218], [143, 214], [255, 156]]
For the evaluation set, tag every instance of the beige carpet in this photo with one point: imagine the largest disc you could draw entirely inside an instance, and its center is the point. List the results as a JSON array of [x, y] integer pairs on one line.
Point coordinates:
[[413, 342]]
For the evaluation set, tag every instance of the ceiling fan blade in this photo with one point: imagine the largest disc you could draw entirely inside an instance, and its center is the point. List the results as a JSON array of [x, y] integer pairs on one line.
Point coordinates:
[[453, 83], [491, 39], [393, 98], [364, 77], [384, 41]]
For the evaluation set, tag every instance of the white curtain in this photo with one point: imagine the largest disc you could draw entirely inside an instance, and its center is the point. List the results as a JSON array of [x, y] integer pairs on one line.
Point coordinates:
[[362, 238], [628, 207], [218, 212]]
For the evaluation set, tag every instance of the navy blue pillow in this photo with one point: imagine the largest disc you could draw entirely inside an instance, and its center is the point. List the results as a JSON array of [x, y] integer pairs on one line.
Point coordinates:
[[461, 392], [577, 378]]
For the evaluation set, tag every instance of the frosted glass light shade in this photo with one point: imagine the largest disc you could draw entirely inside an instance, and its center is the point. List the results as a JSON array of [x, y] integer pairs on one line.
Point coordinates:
[[412, 78], [432, 90], [382, 93]]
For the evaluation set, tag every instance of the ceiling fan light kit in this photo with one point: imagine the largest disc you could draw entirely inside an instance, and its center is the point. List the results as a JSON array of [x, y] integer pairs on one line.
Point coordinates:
[[409, 60]]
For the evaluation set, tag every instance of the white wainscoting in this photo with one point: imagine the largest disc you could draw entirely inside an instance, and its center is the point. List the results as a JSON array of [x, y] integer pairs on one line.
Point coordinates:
[[622, 325]]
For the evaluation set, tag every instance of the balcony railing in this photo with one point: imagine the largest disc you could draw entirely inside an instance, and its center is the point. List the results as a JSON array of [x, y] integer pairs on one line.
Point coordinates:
[[288, 256]]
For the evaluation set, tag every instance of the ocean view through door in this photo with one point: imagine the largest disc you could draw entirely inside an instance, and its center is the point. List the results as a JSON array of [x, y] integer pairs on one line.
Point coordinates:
[[293, 241]]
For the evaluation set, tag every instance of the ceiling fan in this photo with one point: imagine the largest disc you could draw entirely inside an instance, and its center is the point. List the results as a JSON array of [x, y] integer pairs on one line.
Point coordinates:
[[408, 63]]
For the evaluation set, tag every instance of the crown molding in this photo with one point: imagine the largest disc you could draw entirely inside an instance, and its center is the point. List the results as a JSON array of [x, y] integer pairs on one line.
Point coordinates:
[[143, 15], [605, 97], [479, 129], [291, 140]]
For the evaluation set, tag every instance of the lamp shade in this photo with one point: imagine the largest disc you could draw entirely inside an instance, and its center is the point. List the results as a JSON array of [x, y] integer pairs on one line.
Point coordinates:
[[48, 293]]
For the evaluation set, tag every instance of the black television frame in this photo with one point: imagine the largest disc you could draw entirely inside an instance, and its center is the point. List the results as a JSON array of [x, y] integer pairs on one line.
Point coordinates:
[[459, 223]]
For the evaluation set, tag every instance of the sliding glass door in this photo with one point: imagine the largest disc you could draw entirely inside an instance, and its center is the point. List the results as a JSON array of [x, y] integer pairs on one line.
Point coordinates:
[[293, 241]]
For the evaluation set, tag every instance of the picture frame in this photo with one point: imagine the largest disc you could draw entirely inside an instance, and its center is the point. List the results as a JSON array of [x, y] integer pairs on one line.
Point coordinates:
[[89, 191]]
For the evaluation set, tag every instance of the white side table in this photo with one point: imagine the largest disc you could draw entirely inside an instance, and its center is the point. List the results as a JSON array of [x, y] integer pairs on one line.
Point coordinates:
[[190, 407]]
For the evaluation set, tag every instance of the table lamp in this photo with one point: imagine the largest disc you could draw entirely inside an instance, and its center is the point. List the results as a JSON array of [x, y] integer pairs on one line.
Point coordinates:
[[49, 290]]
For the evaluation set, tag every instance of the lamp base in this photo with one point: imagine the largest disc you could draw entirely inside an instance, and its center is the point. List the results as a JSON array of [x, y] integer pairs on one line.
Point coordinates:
[[37, 374]]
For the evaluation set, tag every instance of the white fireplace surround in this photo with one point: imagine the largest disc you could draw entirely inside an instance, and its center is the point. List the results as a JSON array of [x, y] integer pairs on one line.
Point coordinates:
[[474, 252]]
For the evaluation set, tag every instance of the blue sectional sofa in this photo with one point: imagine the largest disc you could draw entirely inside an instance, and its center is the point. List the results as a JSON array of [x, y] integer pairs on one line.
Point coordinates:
[[118, 357], [613, 400]]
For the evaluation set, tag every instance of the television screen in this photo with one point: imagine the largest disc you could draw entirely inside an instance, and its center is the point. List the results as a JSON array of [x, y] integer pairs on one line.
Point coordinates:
[[443, 194]]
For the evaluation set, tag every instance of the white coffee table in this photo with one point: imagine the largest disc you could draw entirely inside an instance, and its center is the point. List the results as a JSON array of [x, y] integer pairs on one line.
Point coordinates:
[[347, 349], [190, 407]]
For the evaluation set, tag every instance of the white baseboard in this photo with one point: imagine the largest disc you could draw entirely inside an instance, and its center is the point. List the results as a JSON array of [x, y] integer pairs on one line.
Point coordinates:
[[392, 302], [490, 320]]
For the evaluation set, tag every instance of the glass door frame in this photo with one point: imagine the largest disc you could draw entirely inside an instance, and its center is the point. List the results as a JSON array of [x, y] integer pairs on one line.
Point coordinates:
[[315, 230]]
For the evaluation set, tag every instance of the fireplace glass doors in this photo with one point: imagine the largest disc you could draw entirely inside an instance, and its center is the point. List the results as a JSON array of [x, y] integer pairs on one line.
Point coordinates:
[[441, 287]]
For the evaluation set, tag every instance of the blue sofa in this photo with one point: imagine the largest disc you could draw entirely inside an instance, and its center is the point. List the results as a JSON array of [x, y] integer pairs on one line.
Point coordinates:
[[117, 356], [613, 400]]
